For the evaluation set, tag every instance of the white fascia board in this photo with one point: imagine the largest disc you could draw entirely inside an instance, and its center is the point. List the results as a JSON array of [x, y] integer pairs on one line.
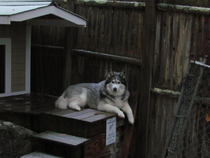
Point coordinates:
[[13, 93], [27, 15], [23, 16], [24, 3], [46, 11], [68, 16], [5, 20], [12, 10], [28, 60]]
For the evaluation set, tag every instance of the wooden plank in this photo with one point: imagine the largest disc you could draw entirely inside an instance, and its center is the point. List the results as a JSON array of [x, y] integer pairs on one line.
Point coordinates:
[[99, 55], [61, 138], [34, 108], [12, 99], [99, 117], [127, 140], [96, 146], [15, 105], [59, 148], [12, 106], [42, 109], [27, 104], [183, 8], [87, 115], [76, 124], [166, 92], [117, 4], [78, 113], [62, 125], [146, 77], [70, 33], [97, 124], [21, 119], [59, 112]]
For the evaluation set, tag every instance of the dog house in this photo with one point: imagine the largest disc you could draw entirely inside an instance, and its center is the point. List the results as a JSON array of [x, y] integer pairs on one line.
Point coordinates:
[[16, 19]]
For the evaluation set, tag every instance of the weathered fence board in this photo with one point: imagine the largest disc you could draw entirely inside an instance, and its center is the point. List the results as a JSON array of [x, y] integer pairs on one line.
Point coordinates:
[[46, 35], [199, 3], [178, 36], [161, 115], [93, 69], [172, 49], [47, 65], [111, 30]]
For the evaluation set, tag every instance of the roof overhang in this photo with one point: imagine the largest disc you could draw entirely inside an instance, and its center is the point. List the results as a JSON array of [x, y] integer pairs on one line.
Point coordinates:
[[39, 13]]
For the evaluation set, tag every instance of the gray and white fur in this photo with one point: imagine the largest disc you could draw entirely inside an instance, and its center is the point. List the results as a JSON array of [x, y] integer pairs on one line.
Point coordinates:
[[110, 95]]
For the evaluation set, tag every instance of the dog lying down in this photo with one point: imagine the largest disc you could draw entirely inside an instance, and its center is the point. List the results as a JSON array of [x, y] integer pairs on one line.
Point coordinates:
[[109, 95]]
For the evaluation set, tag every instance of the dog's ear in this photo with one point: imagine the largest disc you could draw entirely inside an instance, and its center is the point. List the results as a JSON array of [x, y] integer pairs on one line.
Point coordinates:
[[111, 73], [122, 74]]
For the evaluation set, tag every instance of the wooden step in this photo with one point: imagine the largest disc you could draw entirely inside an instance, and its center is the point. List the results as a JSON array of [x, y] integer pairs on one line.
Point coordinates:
[[85, 123], [38, 155], [60, 144], [61, 138]]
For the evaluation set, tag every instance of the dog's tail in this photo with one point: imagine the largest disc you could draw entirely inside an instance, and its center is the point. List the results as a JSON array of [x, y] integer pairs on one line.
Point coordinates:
[[61, 103]]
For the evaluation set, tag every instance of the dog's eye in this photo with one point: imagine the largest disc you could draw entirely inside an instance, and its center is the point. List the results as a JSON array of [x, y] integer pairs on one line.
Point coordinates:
[[118, 82], [113, 82]]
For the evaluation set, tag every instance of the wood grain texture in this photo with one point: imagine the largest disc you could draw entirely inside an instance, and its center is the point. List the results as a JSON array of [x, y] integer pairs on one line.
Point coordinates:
[[199, 3], [40, 110], [96, 147], [146, 77], [183, 8], [119, 31], [37, 112], [129, 130], [111, 30], [61, 138]]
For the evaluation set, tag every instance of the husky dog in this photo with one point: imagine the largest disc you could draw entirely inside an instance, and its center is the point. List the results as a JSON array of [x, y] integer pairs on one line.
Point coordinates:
[[109, 95]]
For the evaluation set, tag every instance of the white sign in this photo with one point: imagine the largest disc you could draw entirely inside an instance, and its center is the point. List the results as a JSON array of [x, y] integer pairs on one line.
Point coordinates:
[[110, 130]]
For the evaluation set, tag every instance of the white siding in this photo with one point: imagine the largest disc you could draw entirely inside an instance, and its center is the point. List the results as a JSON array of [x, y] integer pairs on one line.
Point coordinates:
[[17, 33]]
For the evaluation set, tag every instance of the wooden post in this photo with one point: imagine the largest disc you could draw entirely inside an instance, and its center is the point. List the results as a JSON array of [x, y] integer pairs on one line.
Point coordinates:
[[70, 43], [129, 130], [146, 76]]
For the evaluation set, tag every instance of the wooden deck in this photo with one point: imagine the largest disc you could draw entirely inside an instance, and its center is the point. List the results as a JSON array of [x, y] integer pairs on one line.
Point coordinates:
[[31, 103], [38, 113], [68, 132]]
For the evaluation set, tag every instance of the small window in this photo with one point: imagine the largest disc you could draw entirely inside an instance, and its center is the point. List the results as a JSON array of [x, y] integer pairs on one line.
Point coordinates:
[[2, 68]]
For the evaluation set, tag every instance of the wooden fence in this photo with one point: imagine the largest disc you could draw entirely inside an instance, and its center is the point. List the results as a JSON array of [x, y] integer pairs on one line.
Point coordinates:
[[160, 38], [182, 33]]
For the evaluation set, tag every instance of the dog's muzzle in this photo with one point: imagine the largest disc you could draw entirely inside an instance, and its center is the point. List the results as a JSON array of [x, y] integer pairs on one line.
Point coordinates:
[[115, 89]]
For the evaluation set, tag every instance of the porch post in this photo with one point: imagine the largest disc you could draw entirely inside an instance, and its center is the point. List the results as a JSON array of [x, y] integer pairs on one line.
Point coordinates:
[[70, 44], [146, 76]]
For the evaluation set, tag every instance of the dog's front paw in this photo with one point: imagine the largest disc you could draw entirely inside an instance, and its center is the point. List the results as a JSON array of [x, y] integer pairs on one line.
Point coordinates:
[[74, 106], [121, 114], [77, 108], [61, 106], [131, 120]]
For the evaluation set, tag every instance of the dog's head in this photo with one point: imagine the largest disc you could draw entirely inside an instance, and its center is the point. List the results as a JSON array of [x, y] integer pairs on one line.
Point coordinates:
[[116, 83]]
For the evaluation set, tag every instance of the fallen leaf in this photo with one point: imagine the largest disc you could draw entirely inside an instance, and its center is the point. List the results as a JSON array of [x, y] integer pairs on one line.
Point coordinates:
[[208, 117]]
